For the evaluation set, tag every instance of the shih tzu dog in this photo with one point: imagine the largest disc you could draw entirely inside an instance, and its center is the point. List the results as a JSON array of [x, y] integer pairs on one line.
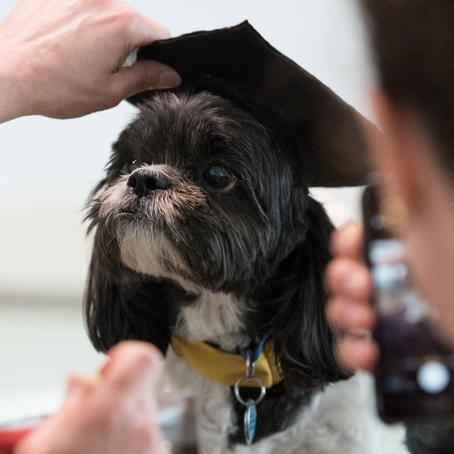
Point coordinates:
[[208, 244]]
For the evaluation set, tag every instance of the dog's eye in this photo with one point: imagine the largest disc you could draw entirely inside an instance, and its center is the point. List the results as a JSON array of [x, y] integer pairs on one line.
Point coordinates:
[[218, 177], [130, 166]]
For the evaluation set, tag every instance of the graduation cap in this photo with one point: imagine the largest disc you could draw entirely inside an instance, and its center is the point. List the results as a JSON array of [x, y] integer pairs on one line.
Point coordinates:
[[310, 112]]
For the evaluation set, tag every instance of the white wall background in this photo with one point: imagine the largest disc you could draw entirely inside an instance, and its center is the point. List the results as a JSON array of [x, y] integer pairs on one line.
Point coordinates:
[[47, 168]]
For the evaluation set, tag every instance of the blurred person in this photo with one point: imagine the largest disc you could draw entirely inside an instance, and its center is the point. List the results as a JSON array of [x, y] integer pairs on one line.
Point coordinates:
[[414, 105], [63, 59]]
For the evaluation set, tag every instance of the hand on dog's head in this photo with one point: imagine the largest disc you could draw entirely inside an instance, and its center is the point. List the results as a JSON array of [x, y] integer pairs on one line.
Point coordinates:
[[201, 193]]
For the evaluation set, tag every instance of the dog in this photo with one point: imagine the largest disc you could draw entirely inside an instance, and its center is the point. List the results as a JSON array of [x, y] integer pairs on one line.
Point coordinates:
[[205, 230]]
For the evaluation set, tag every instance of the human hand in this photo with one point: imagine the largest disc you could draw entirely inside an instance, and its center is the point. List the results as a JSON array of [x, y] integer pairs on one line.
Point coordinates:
[[63, 58], [113, 414], [349, 284]]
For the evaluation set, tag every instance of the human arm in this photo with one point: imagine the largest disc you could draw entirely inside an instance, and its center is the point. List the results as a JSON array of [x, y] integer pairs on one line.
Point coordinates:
[[63, 58]]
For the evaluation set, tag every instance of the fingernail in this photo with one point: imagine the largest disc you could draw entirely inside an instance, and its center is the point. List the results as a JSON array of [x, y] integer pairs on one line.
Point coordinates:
[[169, 79]]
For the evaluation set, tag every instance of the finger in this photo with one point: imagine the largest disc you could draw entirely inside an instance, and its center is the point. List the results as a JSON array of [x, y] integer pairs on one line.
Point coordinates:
[[131, 364], [347, 241], [145, 30], [349, 314], [349, 278], [357, 354], [144, 75]]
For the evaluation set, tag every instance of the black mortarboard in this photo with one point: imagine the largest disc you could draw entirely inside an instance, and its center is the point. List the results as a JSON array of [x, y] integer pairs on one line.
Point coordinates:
[[312, 114]]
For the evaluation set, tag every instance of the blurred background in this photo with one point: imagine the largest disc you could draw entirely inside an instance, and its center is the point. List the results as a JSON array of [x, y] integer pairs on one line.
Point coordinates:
[[48, 168]]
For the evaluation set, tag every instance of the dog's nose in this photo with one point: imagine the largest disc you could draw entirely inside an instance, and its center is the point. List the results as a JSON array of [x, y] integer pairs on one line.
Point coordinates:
[[143, 182]]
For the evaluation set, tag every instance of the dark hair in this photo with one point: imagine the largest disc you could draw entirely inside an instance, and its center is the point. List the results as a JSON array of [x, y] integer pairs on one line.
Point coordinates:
[[414, 45]]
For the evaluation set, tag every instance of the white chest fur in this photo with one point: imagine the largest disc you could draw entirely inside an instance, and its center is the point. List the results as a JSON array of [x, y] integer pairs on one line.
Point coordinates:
[[340, 420], [215, 317]]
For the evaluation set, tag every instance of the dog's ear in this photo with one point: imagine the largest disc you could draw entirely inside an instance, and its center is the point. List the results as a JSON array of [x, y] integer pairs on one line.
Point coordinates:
[[122, 305], [293, 307]]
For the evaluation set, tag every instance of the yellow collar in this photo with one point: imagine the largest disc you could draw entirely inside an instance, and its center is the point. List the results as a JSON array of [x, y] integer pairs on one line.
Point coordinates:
[[227, 368]]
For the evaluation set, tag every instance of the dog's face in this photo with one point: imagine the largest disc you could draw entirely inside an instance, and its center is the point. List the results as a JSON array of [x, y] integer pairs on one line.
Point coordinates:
[[200, 194], [197, 188]]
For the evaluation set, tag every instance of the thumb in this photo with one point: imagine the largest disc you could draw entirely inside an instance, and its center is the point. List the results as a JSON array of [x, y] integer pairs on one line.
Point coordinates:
[[131, 365], [145, 75]]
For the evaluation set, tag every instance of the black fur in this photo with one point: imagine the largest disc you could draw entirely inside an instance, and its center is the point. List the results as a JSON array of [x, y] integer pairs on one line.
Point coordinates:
[[128, 306], [291, 307], [264, 240]]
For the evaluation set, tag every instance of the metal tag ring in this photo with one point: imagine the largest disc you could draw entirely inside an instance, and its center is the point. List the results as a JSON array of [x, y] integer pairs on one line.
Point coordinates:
[[237, 387]]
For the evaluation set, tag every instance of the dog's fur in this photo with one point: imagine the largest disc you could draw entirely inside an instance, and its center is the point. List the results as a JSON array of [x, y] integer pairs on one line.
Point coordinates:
[[224, 266]]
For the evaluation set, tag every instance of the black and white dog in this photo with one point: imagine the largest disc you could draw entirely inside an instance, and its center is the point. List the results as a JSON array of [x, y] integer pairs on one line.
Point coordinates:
[[205, 229]]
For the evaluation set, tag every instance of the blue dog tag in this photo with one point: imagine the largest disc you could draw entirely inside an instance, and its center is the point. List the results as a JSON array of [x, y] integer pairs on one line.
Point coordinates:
[[250, 421]]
